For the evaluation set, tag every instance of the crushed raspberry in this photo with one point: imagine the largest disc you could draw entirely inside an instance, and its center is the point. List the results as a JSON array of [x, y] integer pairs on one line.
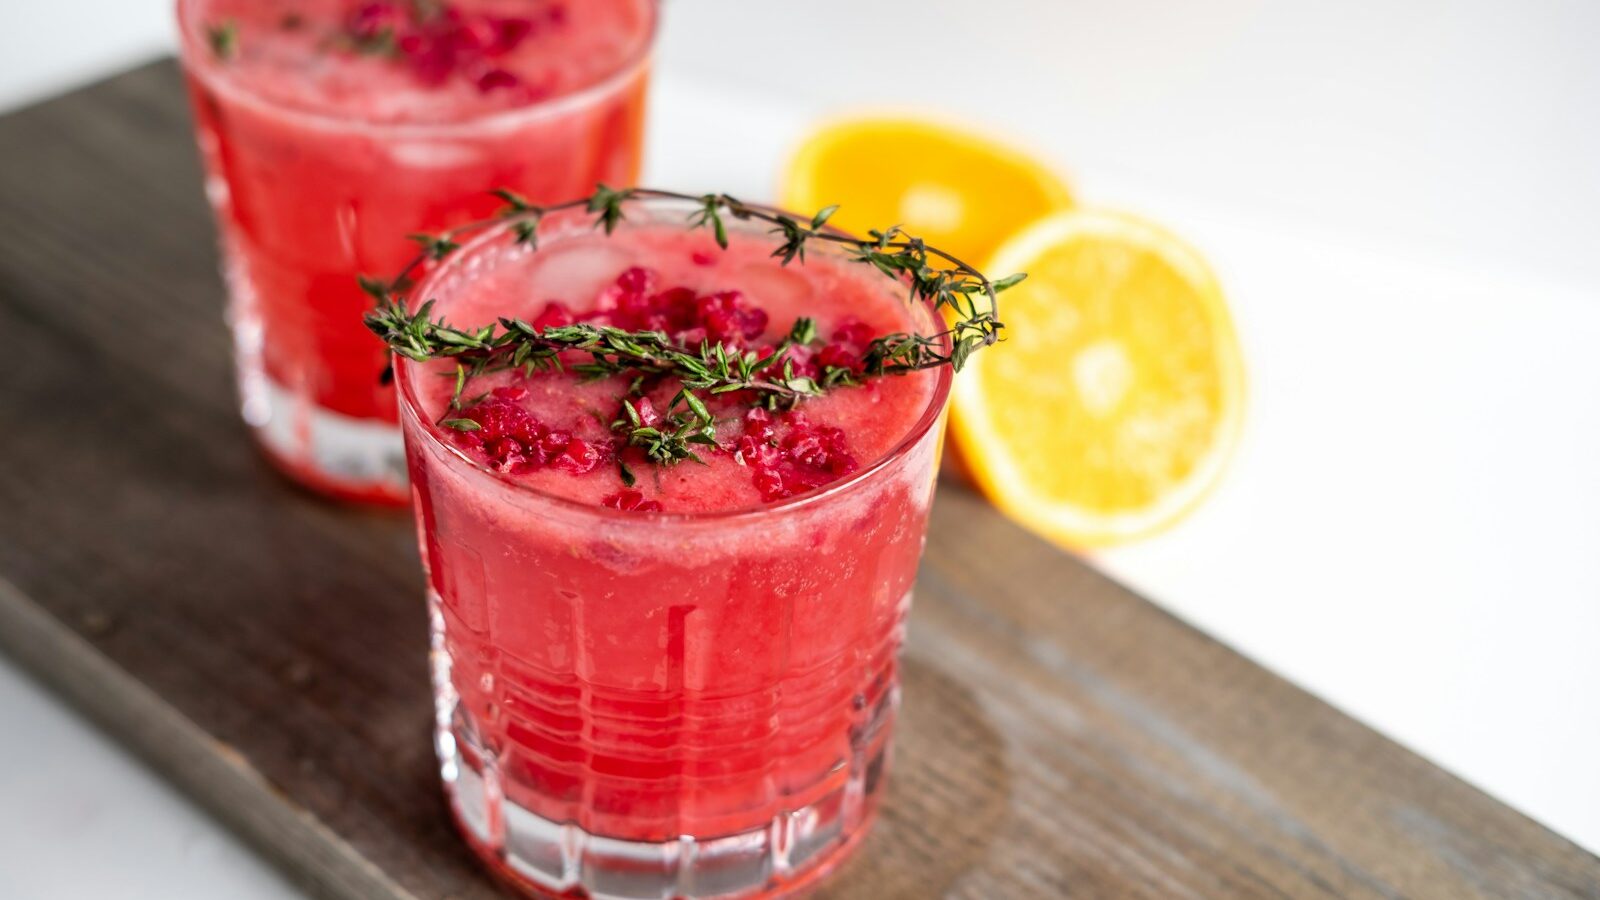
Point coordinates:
[[579, 457], [369, 21], [438, 41], [637, 280], [840, 357], [771, 485], [505, 454], [727, 320], [853, 332], [722, 326], [512, 440], [758, 423], [508, 33], [755, 452], [786, 453], [808, 456], [633, 311], [554, 315], [752, 322], [678, 306], [551, 444], [497, 78], [846, 351], [701, 258], [626, 300], [630, 500], [499, 416], [633, 303], [821, 448]]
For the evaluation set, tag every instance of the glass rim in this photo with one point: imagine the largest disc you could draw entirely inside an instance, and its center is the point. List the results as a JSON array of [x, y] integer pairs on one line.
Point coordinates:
[[190, 56], [411, 408]]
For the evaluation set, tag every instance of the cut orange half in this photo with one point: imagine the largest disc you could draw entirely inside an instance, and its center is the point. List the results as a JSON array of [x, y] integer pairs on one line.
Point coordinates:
[[1117, 395], [955, 189]]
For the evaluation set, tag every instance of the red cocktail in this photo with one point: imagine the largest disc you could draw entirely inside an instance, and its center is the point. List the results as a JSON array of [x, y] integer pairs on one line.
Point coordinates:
[[330, 129], [657, 675]]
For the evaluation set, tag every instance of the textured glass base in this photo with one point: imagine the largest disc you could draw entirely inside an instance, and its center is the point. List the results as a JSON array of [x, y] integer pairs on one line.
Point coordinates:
[[335, 454], [547, 858], [348, 458]]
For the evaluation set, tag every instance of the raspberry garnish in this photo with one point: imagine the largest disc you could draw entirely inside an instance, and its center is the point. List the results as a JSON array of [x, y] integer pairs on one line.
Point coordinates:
[[554, 315], [853, 332], [498, 416], [808, 456], [636, 280], [551, 444], [578, 457], [632, 303], [438, 41], [678, 306], [839, 356], [787, 453], [513, 440], [851, 337], [757, 453], [630, 500], [370, 21], [508, 33], [497, 78], [758, 424]]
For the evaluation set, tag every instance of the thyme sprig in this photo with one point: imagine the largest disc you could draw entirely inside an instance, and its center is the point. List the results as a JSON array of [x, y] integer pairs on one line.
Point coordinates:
[[515, 344], [669, 441], [224, 39], [710, 368]]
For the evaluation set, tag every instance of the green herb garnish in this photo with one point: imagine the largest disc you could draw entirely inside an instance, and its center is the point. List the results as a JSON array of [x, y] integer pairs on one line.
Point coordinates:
[[224, 39], [710, 368]]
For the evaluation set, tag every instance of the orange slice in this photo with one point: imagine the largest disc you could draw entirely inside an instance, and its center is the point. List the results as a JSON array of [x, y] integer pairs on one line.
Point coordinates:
[[955, 189], [1114, 401]]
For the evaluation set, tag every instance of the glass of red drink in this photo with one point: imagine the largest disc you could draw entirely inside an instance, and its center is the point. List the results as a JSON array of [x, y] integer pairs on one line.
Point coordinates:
[[330, 129], [667, 680]]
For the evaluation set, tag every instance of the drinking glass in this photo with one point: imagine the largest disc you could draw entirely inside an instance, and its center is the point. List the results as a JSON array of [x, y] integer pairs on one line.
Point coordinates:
[[661, 705], [306, 201]]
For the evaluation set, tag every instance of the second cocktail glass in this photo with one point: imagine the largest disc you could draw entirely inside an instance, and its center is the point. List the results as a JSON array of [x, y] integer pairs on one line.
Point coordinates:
[[330, 129]]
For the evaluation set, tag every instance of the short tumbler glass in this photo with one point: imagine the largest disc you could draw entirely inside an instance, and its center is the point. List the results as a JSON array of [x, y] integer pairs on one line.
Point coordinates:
[[666, 705], [305, 202]]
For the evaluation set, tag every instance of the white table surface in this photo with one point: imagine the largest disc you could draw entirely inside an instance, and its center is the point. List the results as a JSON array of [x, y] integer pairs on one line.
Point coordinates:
[[1404, 209]]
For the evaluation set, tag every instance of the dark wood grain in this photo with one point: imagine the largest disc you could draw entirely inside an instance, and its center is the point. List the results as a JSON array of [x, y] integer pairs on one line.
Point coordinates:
[[265, 650]]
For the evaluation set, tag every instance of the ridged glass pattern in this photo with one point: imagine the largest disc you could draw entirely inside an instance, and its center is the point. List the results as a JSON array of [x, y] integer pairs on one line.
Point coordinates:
[[790, 771]]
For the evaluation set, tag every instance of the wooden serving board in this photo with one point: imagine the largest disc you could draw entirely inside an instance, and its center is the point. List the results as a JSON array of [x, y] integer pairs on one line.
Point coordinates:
[[265, 650]]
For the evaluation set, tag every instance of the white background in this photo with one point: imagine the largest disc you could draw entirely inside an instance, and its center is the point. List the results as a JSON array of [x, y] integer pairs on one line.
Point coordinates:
[[1403, 201]]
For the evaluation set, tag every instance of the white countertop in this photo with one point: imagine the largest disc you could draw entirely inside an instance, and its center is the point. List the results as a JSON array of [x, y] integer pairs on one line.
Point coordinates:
[[1404, 209]]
